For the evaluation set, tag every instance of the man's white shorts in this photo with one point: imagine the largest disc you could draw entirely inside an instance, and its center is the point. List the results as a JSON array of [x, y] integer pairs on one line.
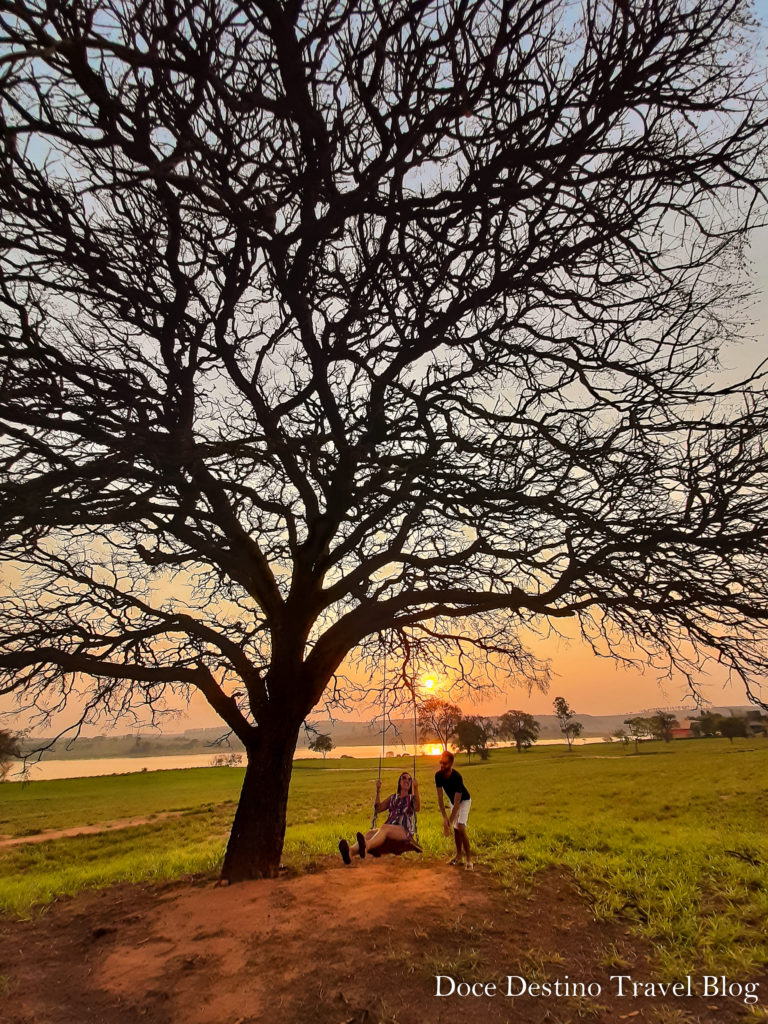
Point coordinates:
[[461, 817]]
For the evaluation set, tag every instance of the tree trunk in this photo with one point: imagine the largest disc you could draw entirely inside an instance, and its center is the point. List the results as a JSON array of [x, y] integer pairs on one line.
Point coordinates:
[[256, 842]]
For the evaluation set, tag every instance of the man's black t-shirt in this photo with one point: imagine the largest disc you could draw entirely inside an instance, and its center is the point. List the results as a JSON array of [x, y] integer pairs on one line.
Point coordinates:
[[452, 785]]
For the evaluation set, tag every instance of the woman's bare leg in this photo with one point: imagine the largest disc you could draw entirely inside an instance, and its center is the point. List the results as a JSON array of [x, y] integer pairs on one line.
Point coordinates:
[[355, 848], [373, 838], [380, 836]]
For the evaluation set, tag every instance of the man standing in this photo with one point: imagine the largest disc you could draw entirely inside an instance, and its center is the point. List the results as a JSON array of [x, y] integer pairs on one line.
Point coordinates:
[[451, 783]]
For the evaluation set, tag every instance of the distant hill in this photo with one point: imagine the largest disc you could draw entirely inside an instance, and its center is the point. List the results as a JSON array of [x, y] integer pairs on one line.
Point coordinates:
[[147, 744], [401, 730], [343, 734]]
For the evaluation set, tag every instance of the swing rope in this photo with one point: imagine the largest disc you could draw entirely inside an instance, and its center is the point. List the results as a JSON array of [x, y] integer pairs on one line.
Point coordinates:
[[383, 732], [381, 752], [416, 739]]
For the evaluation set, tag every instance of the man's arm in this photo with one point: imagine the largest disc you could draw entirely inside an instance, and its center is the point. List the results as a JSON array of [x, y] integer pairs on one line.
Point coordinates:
[[441, 805]]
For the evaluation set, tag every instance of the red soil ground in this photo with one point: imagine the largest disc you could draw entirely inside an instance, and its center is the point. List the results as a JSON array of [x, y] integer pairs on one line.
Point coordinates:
[[357, 945]]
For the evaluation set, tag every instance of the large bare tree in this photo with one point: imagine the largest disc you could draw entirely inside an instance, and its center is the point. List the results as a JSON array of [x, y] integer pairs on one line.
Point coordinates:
[[323, 322]]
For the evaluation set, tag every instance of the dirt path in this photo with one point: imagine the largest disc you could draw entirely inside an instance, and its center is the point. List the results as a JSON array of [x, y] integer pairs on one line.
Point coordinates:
[[358, 945], [86, 830]]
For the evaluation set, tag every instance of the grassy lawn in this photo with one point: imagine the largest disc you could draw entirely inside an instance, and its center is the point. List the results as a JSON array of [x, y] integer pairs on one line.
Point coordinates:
[[672, 840], [26, 809]]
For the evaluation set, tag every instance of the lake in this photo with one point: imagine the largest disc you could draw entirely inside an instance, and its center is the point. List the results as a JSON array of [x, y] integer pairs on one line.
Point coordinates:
[[80, 769]]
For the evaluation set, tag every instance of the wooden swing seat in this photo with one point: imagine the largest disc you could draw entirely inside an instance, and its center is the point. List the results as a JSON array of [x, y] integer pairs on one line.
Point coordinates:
[[396, 846]]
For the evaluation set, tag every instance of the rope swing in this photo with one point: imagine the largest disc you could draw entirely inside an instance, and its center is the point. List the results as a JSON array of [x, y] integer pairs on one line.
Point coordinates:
[[396, 846]]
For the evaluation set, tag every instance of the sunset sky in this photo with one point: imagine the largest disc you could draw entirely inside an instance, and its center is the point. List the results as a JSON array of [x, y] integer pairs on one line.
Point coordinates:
[[590, 684]]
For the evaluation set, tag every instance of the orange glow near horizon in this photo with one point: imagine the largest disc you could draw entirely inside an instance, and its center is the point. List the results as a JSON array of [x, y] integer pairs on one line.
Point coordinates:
[[592, 685], [433, 749]]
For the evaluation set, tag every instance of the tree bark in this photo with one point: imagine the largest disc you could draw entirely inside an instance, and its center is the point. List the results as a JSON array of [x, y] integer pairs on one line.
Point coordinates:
[[256, 842]]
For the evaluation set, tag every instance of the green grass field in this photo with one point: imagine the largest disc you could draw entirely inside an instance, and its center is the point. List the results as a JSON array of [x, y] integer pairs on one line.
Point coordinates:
[[672, 840]]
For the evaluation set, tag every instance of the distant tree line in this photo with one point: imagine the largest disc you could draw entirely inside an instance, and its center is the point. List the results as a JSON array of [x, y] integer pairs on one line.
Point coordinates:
[[446, 723], [641, 727], [732, 726], [474, 734], [661, 726]]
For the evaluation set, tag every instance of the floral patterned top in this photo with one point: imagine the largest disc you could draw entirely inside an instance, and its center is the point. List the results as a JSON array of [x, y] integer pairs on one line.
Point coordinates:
[[401, 812]]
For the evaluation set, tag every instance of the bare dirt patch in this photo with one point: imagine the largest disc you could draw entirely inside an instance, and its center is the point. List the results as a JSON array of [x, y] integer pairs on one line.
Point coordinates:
[[358, 945], [86, 830]]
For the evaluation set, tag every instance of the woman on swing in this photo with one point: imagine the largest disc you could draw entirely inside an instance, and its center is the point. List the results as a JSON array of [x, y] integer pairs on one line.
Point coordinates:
[[402, 807]]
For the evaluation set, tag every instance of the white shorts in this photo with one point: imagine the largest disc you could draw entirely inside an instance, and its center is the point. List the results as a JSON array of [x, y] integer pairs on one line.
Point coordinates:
[[461, 817]]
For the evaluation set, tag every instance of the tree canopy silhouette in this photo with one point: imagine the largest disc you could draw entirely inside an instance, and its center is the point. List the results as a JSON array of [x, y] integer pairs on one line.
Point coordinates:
[[322, 323]]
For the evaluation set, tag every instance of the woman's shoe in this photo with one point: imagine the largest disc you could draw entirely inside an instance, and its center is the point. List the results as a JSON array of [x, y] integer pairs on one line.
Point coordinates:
[[344, 851], [360, 843]]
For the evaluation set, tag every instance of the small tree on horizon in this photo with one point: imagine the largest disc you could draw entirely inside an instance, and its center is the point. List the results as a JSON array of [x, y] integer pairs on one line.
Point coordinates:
[[475, 734], [520, 727], [709, 724], [572, 731], [488, 736], [733, 726], [639, 728], [565, 716], [661, 725], [438, 719], [322, 744]]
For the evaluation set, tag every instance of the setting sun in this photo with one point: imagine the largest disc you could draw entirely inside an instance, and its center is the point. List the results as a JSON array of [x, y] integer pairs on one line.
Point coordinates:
[[429, 683]]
